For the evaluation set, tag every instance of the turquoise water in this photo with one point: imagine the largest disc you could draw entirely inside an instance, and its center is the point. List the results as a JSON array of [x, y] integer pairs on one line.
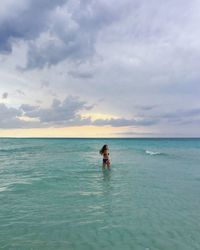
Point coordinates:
[[54, 194]]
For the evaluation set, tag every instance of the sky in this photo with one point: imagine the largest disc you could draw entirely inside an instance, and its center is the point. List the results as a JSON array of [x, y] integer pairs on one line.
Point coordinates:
[[99, 68]]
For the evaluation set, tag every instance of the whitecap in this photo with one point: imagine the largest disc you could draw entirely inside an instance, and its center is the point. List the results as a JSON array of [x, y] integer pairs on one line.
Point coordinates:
[[152, 153], [90, 193], [2, 189]]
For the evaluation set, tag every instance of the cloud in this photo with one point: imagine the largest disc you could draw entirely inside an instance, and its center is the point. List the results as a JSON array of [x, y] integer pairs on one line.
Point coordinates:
[[145, 107], [80, 75], [175, 117], [45, 84], [59, 112], [24, 20], [75, 30], [27, 108], [71, 35], [182, 117], [20, 92], [5, 95], [119, 122], [68, 113], [140, 58], [9, 117], [62, 29]]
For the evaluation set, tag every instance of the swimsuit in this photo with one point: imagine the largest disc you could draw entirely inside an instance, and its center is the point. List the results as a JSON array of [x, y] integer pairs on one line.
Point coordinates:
[[105, 160]]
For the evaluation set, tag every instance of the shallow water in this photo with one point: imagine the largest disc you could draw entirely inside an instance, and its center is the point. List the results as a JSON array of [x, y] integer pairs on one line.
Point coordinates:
[[54, 194]]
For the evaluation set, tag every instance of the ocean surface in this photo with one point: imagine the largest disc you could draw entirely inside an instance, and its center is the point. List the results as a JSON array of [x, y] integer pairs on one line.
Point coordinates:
[[55, 195]]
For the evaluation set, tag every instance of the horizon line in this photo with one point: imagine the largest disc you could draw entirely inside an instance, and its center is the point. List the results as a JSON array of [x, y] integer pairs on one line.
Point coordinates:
[[153, 137]]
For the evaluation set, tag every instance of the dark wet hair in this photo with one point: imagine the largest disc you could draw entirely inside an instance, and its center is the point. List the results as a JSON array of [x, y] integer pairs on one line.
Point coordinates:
[[103, 149]]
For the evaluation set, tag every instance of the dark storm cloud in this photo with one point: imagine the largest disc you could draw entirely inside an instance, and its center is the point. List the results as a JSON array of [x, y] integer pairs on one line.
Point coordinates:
[[71, 35], [26, 22], [55, 30]]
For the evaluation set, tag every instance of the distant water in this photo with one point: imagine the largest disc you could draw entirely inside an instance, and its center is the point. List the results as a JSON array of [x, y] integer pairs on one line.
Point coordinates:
[[54, 194]]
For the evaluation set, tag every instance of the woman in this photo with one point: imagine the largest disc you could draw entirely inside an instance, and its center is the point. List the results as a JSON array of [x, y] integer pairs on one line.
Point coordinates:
[[105, 153]]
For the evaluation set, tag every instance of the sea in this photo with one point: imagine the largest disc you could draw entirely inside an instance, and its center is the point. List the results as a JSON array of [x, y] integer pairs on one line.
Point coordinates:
[[54, 194]]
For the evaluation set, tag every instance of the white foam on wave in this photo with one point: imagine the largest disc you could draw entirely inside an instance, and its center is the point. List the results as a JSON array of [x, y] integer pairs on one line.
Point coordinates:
[[152, 153], [89, 193], [2, 189]]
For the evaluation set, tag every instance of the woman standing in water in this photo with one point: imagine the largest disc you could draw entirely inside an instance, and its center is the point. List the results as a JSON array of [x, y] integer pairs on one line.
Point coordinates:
[[105, 153]]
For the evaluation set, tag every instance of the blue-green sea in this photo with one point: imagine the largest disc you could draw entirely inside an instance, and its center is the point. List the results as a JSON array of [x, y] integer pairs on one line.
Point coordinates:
[[55, 195]]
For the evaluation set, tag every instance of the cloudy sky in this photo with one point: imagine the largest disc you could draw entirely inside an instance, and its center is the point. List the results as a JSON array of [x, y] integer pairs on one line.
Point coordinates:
[[100, 68]]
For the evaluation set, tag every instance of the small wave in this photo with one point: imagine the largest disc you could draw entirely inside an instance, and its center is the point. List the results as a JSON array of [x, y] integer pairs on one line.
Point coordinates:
[[89, 193], [13, 184], [152, 153], [2, 189], [19, 149]]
